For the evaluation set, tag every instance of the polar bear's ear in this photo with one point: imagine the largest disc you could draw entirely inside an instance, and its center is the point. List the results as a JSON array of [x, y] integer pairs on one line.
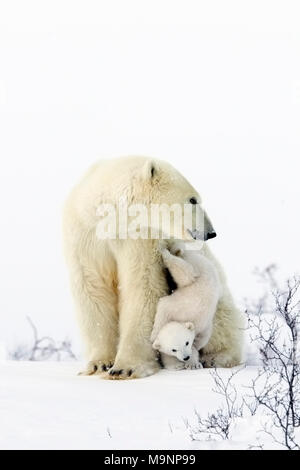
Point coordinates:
[[149, 170], [156, 345], [190, 326]]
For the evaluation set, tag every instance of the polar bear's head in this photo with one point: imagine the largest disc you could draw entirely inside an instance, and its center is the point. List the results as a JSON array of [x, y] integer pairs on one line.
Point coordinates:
[[140, 197], [168, 189], [176, 339]]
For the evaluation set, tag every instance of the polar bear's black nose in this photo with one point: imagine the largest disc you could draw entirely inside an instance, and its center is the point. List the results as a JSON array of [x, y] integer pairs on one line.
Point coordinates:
[[186, 358], [211, 235]]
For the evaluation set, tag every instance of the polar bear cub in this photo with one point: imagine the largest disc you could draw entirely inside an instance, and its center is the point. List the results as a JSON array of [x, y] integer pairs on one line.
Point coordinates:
[[175, 342], [193, 302]]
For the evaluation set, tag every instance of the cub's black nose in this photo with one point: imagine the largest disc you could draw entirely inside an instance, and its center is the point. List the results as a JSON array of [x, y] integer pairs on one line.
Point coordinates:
[[211, 235], [186, 358]]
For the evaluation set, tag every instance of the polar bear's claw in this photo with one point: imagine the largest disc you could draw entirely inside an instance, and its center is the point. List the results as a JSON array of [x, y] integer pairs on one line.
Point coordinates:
[[116, 372], [96, 367], [135, 372], [119, 374]]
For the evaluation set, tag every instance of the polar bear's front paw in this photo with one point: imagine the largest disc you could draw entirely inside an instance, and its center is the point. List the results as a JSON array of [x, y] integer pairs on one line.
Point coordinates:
[[97, 367], [137, 371]]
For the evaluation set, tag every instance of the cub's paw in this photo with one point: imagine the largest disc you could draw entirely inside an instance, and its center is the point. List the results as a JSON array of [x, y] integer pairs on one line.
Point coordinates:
[[166, 255], [97, 367], [177, 248], [137, 371], [179, 366], [194, 365]]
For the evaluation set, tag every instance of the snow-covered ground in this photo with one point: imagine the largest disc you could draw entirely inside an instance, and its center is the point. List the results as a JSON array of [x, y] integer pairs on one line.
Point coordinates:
[[45, 405]]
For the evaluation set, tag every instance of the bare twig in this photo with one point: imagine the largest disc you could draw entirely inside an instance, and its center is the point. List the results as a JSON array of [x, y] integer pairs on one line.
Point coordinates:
[[43, 349], [274, 321]]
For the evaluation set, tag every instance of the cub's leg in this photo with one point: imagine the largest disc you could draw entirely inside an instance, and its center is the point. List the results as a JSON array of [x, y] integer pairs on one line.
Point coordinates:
[[181, 271], [163, 314], [202, 338], [193, 362], [171, 362]]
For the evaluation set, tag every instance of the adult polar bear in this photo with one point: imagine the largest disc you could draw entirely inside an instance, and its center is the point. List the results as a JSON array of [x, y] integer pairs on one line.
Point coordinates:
[[117, 283]]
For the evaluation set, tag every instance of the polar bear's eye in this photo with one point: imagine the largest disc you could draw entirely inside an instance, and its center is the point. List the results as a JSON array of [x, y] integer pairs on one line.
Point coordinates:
[[174, 350], [187, 343], [193, 200]]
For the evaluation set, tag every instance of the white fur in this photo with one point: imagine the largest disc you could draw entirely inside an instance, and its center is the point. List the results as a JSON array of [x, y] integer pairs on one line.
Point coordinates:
[[195, 299], [117, 283]]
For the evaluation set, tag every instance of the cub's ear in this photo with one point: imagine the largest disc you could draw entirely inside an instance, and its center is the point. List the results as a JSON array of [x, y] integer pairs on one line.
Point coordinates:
[[156, 345], [190, 326], [149, 170]]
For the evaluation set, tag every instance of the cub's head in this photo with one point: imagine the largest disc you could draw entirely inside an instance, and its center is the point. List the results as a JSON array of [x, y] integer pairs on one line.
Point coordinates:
[[176, 339]]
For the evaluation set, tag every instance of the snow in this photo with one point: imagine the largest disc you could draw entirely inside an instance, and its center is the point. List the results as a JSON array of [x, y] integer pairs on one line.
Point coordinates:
[[45, 405]]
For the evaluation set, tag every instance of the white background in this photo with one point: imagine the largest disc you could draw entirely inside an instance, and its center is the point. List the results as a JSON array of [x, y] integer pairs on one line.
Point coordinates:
[[213, 87]]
